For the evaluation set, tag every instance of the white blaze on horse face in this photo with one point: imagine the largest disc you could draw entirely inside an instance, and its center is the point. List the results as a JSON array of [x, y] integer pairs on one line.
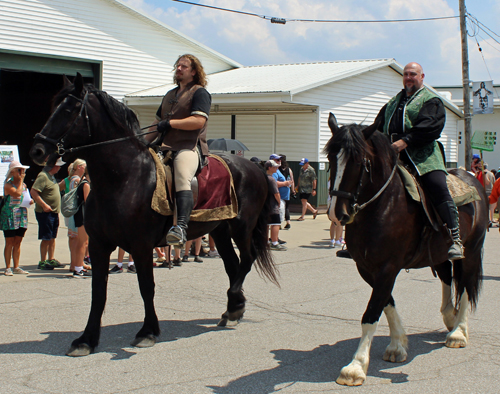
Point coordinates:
[[341, 166]]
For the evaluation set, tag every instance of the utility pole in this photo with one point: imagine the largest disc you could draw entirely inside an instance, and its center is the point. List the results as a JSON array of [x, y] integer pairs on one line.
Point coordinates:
[[465, 81]]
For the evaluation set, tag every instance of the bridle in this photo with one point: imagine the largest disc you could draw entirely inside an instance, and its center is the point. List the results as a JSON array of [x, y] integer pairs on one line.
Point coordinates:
[[354, 196], [59, 143]]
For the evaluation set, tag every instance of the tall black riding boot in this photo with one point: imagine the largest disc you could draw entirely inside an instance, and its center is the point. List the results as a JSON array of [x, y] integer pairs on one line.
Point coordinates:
[[449, 215], [177, 235]]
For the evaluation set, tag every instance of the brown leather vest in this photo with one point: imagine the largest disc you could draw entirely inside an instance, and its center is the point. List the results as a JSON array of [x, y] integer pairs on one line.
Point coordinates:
[[179, 107]]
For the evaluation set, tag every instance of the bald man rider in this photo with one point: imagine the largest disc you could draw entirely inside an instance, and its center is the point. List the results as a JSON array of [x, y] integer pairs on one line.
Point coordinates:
[[414, 120]]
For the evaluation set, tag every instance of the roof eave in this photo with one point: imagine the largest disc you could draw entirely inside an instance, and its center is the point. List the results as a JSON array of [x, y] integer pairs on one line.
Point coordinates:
[[141, 14], [383, 63]]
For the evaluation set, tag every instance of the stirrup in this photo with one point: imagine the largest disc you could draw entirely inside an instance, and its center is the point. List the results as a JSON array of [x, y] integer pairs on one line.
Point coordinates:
[[176, 236]]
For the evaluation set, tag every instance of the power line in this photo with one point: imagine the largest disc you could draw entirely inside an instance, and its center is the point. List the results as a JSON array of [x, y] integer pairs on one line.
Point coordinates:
[[284, 20]]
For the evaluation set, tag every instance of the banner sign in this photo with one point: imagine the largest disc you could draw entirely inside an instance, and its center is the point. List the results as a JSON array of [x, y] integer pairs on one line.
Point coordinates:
[[482, 97], [8, 153]]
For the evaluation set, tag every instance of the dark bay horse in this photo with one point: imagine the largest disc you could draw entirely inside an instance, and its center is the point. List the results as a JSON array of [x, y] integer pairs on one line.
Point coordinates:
[[89, 124], [387, 231]]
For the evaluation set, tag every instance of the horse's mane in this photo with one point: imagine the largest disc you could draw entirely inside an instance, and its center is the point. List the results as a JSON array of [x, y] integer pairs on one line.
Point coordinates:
[[120, 114], [350, 138]]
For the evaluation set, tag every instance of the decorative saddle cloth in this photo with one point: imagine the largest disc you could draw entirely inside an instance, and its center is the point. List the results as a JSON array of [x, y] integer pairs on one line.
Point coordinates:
[[216, 197], [461, 192]]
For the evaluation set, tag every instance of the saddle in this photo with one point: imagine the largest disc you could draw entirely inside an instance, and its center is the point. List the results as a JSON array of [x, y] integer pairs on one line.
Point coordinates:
[[461, 193], [213, 191]]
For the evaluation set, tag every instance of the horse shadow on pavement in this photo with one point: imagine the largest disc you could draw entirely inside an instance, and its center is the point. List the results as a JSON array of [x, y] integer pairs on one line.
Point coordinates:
[[323, 364], [115, 339]]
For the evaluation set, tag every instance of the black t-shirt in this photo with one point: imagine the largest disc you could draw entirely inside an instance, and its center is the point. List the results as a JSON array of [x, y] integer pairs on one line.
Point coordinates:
[[201, 103]]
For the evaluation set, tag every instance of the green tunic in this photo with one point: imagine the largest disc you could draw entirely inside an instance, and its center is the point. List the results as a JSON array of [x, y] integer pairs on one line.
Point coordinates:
[[425, 158]]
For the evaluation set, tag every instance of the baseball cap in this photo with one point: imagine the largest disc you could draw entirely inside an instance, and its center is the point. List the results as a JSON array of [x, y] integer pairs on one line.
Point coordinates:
[[271, 163], [255, 159], [304, 161], [274, 156], [475, 156]]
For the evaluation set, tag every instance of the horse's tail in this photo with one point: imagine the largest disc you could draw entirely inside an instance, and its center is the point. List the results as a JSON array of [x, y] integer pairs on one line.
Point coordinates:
[[265, 261], [468, 273]]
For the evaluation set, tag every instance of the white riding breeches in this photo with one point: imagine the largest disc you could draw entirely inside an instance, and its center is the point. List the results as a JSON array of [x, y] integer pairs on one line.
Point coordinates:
[[185, 166]]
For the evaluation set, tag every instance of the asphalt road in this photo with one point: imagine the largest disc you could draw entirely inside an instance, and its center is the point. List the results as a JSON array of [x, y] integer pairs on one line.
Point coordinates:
[[293, 339]]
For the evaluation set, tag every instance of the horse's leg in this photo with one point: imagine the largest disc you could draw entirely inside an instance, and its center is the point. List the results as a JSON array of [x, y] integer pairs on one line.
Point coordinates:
[[86, 344], [448, 310], [354, 374], [459, 335], [146, 337], [467, 275], [396, 350], [235, 298]]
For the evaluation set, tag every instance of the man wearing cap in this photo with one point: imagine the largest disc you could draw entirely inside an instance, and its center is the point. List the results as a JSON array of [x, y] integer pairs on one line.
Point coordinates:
[[283, 184], [274, 218], [414, 120], [47, 196], [477, 168], [307, 186]]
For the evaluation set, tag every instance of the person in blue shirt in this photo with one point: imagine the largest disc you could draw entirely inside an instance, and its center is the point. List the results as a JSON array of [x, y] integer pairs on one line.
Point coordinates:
[[283, 185]]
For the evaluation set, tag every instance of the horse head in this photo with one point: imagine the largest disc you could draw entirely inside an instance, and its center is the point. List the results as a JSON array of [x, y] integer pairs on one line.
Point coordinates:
[[350, 156], [69, 113]]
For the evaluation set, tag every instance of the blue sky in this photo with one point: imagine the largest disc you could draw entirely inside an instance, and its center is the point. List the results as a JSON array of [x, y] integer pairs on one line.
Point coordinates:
[[254, 41]]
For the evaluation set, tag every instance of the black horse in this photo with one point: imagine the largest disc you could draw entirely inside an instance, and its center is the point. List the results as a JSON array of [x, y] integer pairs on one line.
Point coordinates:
[[89, 124], [387, 231]]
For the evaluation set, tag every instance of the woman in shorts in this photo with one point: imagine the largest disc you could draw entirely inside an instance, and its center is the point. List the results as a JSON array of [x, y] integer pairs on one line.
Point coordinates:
[[14, 217]]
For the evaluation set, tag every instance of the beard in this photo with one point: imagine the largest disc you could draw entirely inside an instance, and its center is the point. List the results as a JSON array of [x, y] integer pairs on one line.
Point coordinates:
[[411, 90]]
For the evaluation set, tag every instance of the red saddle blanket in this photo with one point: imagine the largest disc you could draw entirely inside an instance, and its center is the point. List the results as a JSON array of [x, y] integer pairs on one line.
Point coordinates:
[[216, 197]]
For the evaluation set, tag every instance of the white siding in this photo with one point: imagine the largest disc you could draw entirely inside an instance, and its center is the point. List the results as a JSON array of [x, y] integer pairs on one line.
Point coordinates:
[[297, 136], [146, 115], [137, 53], [219, 126], [257, 133], [359, 99], [449, 137]]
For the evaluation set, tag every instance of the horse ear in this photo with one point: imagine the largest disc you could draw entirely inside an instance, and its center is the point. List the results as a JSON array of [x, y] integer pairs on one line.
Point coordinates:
[[66, 81], [78, 83], [368, 131], [332, 122]]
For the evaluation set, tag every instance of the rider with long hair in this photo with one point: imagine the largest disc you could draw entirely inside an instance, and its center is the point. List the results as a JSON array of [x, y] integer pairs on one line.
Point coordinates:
[[182, 121]]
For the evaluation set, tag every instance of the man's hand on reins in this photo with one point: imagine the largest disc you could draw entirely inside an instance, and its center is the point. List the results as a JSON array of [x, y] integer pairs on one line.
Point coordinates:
[[399, 145], [164, 126]]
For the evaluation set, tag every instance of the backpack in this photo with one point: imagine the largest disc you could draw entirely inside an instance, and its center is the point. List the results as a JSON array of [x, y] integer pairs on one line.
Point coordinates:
[[69, 202]]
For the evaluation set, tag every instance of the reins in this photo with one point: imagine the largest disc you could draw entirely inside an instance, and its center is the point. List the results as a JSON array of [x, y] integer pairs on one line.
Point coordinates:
[[59, 144], [356, 207]]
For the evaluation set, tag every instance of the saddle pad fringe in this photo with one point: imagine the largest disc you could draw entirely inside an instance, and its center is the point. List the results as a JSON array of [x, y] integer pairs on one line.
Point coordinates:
[[160, 204]]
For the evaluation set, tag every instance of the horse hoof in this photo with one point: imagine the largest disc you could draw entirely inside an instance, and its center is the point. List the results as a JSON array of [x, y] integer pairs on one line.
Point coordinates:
[[231, 319], [79, 350], [455, 341], [147, 341], [395, 355], [351, 375]]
